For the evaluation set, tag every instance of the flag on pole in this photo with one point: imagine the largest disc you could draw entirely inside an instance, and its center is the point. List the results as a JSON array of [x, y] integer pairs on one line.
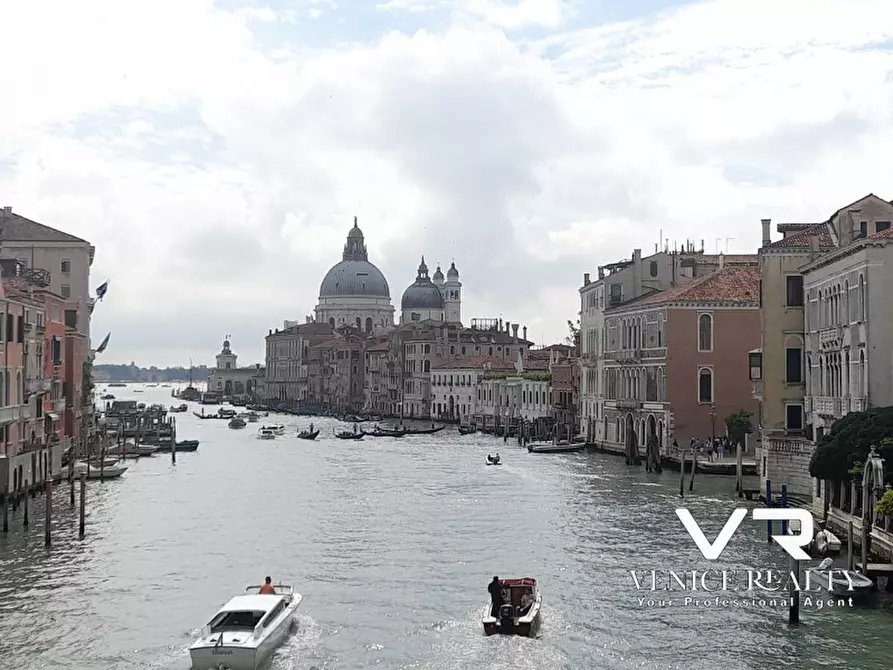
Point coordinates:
[[102, 289], [103, 344]]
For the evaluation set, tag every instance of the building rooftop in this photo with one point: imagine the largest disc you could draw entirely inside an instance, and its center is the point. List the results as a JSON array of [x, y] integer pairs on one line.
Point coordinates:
[[735, 284], [474, 363], [803, 238], [16, 228], [884, 234]]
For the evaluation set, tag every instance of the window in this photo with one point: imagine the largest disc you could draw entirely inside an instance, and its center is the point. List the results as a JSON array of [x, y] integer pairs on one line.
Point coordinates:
[[863, 228], [705, 332], [66, 291], [793, 365], [794, 290], [66, 266], [705, 385], [881, 225], [794, 417], [653, 268], [616, 294], [755, 363], [71, 318]]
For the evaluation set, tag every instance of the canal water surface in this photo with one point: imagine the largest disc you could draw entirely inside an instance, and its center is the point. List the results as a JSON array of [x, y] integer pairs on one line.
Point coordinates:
[[392, 542]]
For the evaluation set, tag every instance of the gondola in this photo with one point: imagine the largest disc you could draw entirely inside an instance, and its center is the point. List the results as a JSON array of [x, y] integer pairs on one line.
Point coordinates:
[[307, 435], [425, 431], [467, 431], [347, 435], [379, 432], [206, 416]]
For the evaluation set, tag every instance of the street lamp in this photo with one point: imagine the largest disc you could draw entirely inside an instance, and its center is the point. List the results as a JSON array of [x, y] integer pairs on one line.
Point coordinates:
[[712, 424]]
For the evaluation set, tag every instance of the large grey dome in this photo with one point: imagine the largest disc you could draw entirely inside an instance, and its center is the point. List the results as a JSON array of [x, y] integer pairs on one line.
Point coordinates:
[[354, 275], [422, 293]]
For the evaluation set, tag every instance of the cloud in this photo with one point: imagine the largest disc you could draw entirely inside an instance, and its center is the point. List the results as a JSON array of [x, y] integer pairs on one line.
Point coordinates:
[[218, 174]]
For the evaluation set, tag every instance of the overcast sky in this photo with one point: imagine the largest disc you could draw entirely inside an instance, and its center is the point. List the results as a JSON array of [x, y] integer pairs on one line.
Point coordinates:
[[216, 153]]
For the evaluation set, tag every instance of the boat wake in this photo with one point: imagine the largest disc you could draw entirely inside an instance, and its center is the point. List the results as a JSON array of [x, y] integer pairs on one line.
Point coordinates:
[[304, 639], [462, 645]]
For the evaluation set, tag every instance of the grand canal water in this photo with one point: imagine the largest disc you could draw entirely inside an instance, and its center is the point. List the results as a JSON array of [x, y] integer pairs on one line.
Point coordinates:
[[392, 543]]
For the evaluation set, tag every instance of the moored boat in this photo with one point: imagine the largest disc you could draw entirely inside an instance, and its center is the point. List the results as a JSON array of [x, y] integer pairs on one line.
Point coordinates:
[[182, 445], [130, 449], [237, 422], [424, 431], [387, 432], [841, 582], [467, 431], [246, 630], [94, 472], [562, 447], [521, 612], [825, 543]]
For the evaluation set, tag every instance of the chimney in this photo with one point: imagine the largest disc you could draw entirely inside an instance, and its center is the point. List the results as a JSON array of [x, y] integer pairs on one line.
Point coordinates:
[[508, 327], [601, 273], [722, 261], [515, 332], [500, 323], [637, 255], [814, 246], [271, 331], [585, 278], [524, 333], [767, 237]]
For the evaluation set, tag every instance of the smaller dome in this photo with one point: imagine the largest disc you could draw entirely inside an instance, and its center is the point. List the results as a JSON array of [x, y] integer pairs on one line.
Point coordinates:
[[438, 276], [422, 293], [453, 273]]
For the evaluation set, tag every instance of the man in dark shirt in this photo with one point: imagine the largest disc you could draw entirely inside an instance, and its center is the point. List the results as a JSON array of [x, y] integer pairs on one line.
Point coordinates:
[[495, 589]]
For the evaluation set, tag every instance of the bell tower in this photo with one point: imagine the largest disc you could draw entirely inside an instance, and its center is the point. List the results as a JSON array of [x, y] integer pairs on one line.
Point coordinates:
[[452, 296], [226, 359]]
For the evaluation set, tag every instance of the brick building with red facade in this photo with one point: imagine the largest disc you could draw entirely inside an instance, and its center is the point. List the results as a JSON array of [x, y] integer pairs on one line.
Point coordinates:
[[676, 359]]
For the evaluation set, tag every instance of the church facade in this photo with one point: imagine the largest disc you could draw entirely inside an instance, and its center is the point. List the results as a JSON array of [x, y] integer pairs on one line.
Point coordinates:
[[231, 381]]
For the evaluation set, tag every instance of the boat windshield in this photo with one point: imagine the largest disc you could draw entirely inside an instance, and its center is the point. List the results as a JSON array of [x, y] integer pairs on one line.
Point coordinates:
[[245, 620]]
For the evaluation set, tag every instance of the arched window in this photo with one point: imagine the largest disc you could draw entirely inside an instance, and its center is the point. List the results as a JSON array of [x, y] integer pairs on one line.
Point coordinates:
[[705, 385], [332, 322], [426, 366], [359, 324], [653, 268], [861, 314], [705, 332], [368, 324]]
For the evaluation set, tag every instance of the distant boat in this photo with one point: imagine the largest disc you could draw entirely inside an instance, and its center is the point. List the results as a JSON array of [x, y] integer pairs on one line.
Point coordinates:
[[308, 435], [266, 434], [236, 422], [555, 447]]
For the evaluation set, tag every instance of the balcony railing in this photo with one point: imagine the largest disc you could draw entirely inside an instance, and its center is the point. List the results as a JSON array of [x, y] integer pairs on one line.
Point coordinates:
[[858, 403], [13, 413], [830, 337], [827, 406], [39, 385], [628, 403]]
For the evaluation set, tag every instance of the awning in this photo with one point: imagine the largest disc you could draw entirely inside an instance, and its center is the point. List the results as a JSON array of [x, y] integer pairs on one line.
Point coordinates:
[[755, 351], [53, 416]]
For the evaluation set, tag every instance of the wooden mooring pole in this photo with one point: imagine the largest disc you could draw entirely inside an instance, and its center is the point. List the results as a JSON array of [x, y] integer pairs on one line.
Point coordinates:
[[694, 466], [71, 479], [794, 593], [682, 474], [769, 504], [83, 504], [849, 544], [48, 519], [25, 521], [5, 512], [739, 470], [173, 442]]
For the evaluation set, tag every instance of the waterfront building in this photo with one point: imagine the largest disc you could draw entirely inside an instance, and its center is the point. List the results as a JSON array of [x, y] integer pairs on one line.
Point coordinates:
[[418, 346], [337, 369], [455, 382], [673, 358], [287, 378], [378, 368], [506, 397], [777, 366], [354, 292], [65, 257], [564, 367], [228, 380], [428, 299], [618, 283]]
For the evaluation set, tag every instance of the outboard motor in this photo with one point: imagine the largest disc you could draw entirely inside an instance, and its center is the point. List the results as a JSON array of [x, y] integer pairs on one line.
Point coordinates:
[[506, 617]]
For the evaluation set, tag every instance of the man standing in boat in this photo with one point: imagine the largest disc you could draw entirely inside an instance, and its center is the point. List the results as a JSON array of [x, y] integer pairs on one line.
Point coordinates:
[[495, 589], [267, 589]]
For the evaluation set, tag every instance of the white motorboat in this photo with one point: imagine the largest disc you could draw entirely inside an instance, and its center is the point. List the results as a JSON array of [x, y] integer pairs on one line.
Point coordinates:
[[277, 428], [266, 434], [521, 611], [841, 582], [226, 413], [826, 543], [562, 447], [246, 630], [94, 472], [252, 417]]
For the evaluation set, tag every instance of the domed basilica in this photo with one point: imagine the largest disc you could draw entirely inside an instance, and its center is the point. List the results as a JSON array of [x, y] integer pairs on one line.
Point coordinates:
[[355, 292]]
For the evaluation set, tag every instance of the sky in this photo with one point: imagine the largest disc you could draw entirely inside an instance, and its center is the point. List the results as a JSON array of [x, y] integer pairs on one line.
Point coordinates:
[[215, 153]]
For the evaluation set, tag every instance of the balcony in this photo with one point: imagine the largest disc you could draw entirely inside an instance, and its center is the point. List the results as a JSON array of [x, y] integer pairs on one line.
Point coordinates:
[[38, 385], [654, 352], [628, 404], [13, 413], [830, 338], [623, 355], [858, 403], [825, 406]]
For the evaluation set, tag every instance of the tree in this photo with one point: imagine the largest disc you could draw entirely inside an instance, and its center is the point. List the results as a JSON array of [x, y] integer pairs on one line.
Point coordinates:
[[738, 425], [87, 382], [573, 331], [849, 441]]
